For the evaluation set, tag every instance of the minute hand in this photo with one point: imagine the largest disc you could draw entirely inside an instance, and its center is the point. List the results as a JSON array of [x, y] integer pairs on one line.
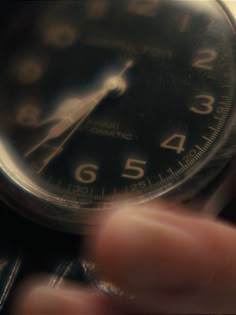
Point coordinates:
[[63, 124], [89, 103]]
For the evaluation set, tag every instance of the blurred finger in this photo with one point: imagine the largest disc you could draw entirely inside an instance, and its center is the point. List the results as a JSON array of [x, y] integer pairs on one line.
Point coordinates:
[[37, 299], [171, 262]]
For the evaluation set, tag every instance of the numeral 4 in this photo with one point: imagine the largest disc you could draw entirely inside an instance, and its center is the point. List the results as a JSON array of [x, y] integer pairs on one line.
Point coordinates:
[[176, 142]]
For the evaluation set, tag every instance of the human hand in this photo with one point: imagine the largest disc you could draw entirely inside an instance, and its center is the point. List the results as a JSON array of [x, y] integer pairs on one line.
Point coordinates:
[[172, 262]]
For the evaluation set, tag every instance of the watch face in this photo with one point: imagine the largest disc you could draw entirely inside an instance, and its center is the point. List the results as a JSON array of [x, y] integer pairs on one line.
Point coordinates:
[[106, 99]]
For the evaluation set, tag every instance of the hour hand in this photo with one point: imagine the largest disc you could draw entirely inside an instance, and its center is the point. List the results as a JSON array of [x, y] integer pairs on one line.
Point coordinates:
[[54, 132], [76, 110], [66, 116], [64, 110]]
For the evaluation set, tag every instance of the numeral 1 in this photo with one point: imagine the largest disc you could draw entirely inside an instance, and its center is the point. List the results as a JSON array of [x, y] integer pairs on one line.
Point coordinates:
[[185, 23]]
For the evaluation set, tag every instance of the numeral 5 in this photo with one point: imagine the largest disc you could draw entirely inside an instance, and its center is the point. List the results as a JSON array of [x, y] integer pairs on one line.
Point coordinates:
[[87, 173]]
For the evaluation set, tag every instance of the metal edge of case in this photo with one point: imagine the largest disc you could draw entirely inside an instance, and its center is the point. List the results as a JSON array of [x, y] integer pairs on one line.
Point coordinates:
[[217, 191], [216, 197]]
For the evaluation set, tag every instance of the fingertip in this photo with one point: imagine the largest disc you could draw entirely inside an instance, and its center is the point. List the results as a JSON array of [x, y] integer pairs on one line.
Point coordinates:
[[34, 297]]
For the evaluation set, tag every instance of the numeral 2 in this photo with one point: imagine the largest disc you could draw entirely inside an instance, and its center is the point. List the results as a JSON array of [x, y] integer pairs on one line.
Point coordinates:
[[204, 59]]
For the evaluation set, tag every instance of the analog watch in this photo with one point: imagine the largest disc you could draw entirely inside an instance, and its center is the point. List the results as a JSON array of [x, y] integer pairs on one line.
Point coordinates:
[[102, 102]]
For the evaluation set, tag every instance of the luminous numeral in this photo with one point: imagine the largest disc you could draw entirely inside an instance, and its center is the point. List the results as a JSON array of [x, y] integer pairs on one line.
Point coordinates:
[[143, 7], [28, 115], [205, 59], [206, 105], [3, 264], [86, 173], [185, 23], [28, 69], [176, 142], [97, 8], [135, 169], [60, 35]]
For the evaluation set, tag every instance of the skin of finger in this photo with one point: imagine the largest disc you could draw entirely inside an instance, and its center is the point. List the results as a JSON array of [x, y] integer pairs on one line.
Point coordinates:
[[35, 298], [212, 269]]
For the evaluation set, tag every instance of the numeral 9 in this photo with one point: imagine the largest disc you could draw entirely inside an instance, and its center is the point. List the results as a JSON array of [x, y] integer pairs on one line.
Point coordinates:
[[28, 115]]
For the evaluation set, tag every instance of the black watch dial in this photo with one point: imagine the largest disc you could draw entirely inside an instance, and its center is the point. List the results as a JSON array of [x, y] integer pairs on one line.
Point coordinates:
[[105, 99]]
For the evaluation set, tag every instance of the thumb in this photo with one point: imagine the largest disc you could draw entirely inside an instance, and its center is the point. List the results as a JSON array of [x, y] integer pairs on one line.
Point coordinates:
[[171, 262]]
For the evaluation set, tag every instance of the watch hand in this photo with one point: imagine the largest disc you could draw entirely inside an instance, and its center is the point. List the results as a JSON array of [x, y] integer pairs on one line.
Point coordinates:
[[60, 147], [60, 127], [68, 118], [64, 124], [70, 107]]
